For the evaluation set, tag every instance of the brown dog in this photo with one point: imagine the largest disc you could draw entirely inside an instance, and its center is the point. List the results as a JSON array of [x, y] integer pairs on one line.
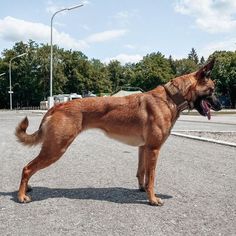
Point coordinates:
[[143, 120]]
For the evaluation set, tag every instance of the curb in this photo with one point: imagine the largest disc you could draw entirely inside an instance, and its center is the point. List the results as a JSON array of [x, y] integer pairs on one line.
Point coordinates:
[[204, 139], [223, 111], [202, 121], [179, 131]]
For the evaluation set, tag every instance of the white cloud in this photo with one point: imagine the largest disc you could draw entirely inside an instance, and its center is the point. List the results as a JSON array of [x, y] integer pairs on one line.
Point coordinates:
[[105, 35], [12, 29], [213, 16], [125, 58], [65, 40], [225, 45]]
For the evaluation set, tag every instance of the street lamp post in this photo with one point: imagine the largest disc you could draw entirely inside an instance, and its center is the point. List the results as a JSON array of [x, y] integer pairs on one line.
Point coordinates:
[[50, 99], [10, 87]]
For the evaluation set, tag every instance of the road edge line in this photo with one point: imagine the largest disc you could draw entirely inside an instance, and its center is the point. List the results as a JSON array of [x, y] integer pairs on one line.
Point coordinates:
[[204, 139]]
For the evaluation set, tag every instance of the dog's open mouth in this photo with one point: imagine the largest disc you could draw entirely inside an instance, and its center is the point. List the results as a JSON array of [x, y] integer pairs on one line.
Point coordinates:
[[206, 108], [204, 105]]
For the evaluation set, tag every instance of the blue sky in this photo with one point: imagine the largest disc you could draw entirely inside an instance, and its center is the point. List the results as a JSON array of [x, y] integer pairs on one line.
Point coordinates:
[[125, 30]]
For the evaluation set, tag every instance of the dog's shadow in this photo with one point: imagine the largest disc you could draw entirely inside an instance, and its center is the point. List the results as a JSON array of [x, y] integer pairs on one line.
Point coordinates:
[[111, 194]]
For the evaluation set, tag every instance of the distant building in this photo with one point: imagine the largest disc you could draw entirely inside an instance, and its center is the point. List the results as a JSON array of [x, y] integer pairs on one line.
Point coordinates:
[[127, 91], [65, 97]]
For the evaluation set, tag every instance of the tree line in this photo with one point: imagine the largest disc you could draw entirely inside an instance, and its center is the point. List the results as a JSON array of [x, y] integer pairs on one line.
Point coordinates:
[[73, 72]]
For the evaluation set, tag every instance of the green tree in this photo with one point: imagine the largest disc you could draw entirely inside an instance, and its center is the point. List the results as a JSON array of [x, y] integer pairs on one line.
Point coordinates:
[[20, 73], [59, 78], [193, 56], [129, 74], [152, 71], [185, 66], [224, 72], [73, 62], [4, 84], [100, 77], [202, 61], [172, 65], [116, 75]]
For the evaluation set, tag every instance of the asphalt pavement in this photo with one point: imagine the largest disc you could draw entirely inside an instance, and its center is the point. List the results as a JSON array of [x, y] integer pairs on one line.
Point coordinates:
[[92, 189]]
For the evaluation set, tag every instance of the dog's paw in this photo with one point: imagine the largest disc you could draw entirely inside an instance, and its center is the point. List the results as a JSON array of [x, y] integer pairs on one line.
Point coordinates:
[[24, 199], [156, 202]]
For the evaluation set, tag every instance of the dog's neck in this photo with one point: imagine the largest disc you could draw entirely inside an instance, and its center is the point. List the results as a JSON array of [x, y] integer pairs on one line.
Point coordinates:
[[176, 96], [178, 90]]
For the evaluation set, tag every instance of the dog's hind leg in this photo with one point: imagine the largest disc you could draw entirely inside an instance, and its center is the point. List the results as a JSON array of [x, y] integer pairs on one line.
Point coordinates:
[[141, 168], [50, 153]]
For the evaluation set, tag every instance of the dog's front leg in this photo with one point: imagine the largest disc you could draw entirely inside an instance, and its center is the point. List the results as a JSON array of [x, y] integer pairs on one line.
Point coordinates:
[[151, 155]]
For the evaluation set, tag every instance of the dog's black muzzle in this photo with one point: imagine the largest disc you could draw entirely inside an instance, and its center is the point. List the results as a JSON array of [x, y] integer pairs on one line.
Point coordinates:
[[204, 104]]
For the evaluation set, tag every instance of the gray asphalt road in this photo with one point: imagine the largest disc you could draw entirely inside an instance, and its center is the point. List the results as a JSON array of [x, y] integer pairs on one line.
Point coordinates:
[[92, 189]]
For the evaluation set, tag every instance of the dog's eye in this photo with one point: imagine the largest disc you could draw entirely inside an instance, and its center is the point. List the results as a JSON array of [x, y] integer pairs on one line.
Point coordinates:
[[204, 80]]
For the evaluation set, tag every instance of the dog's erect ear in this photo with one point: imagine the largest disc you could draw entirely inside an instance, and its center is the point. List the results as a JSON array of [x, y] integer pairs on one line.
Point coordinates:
[[205, 71]]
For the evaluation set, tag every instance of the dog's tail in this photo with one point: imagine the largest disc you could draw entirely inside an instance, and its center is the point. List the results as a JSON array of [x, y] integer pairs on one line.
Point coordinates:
[[27, 139]]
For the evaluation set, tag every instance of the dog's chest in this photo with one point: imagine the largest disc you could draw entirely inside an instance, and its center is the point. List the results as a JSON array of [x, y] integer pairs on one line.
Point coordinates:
[[127, 139]]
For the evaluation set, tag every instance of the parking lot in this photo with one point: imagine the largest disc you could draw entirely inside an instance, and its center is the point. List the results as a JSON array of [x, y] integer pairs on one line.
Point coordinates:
[[92, 189]]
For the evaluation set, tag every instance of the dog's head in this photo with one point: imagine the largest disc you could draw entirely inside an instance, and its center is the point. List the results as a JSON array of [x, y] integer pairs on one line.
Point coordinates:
[[204, 91]]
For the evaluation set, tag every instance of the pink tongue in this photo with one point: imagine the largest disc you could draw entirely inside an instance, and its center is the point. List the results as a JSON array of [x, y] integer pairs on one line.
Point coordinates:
[[206, 109]]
